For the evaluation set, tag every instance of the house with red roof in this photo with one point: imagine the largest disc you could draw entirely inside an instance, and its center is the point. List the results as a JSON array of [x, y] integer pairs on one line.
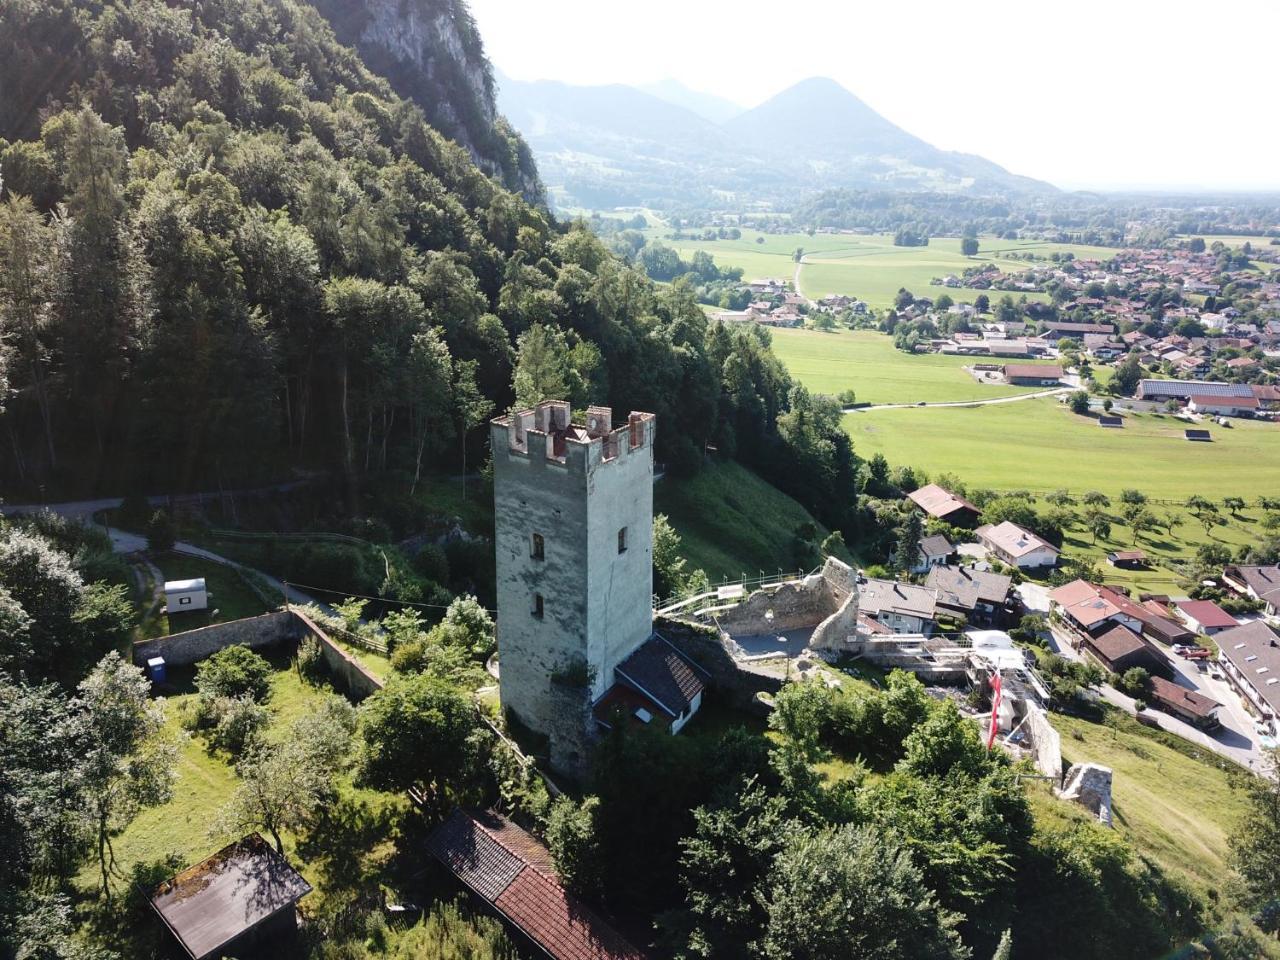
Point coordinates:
[[1204, 616], [512, 872]]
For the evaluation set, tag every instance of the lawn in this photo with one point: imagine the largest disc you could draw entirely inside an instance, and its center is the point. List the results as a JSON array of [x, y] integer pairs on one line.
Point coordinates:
[[1174, 809], [867, 363], [731, 521], [1041, 445], [204, 782], [230, 598]]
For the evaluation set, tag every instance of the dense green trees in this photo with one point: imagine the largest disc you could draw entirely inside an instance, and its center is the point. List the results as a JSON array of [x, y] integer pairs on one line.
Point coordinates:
[[268, 257]]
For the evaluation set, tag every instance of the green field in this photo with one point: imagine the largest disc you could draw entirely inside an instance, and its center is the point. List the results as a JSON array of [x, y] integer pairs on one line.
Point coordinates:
[[867, 266], [1041, 445], [867, 363], [1184, 830]]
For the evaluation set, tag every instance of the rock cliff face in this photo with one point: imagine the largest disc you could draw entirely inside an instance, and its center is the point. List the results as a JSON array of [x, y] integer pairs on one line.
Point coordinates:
[[431, 53]]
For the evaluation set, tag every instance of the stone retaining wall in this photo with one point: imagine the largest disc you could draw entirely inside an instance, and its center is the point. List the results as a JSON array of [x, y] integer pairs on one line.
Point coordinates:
[[346, 671], [181, 649]]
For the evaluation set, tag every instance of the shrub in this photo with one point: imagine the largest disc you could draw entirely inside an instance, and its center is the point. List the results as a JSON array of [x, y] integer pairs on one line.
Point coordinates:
[[311, 663], [239, 721], [234, 671], [161, 532]]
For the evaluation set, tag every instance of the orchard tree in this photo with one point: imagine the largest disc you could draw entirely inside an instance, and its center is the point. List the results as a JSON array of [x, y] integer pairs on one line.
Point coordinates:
[[418, 732], [1234, 504], [127, 764], [1080, 402], [285, 782], [1098, 524]]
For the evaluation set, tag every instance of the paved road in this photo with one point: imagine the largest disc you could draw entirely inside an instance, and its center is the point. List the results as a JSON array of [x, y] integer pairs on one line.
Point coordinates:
[[125, 542], [1056, 392], [1236, 740]]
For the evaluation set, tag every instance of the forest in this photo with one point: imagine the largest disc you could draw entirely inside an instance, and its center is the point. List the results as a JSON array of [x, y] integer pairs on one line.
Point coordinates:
[[228, 250]]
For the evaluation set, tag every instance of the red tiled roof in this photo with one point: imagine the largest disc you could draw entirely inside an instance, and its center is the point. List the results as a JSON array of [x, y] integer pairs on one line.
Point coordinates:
[[1163, 691], [1207, 613], [937, 502], [511, 870]]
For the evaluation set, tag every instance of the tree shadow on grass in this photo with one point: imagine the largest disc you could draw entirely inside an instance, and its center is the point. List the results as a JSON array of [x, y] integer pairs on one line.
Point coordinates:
[[351, 841]]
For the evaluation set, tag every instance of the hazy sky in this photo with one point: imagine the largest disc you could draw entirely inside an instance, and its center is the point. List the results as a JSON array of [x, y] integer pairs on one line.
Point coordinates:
[[1107, 93]]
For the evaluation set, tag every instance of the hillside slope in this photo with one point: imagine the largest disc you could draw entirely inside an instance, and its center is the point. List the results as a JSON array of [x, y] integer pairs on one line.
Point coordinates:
[[616, 145], [431, 53]]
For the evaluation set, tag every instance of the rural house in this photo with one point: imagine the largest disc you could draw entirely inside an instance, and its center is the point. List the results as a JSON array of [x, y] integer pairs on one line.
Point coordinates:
[[1088, 610], [1119, 649], [1018, 546], [934, 551], [513, 874], [1204, 616], [1187, 705], [980, 596], [1256, 583], [1250, 658], [902, 607], [945, 505], [1032, 374]]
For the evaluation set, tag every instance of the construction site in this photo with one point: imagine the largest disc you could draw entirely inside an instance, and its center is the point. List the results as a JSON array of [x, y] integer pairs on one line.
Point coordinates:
[[810, 627]]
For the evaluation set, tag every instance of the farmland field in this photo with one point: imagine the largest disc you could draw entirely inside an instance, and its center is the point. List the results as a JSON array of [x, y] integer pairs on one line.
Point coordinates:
[[866, 266], [867, 363], [1040, 445]]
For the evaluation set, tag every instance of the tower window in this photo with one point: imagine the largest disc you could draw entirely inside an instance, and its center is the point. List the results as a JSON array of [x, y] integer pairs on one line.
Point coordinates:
[[539, 547], [537, 605], [622, 540]]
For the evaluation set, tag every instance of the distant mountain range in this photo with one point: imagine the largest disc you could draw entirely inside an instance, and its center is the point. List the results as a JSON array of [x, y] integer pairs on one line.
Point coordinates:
[[665, 145]]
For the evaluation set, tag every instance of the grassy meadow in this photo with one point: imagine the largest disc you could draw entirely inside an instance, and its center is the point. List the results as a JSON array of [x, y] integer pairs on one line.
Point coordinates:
[[1041, 445], [1183, 830], [867, 363], [732, 522], [866, 266]]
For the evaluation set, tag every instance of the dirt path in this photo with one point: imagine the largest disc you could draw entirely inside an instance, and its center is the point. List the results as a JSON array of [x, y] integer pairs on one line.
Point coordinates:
[[1055, 392]]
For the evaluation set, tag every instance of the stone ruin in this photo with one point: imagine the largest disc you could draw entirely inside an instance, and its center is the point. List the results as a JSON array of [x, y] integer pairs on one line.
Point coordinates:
[[1089, 784]]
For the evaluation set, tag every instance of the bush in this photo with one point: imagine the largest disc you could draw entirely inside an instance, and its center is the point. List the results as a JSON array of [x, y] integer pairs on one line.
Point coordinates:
[[234, 671], [239, 722], [162, 534], [311, 663]]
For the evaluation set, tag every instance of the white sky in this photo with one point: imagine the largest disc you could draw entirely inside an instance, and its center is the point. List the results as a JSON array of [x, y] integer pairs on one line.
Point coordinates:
[[1090, 93]]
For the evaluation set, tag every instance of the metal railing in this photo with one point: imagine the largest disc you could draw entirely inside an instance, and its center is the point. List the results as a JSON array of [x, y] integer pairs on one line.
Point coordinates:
[[721, 590]]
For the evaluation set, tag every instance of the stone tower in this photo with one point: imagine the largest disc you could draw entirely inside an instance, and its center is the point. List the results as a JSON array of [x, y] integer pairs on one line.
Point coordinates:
[[573, 511]]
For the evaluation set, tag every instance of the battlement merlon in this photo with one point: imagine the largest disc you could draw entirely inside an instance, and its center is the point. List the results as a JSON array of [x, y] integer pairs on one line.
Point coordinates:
[[548, 433]]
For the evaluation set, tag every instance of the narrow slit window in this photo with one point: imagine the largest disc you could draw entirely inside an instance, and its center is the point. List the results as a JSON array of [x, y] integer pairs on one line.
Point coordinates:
[[537, 605], [622, 540], [539, 551]]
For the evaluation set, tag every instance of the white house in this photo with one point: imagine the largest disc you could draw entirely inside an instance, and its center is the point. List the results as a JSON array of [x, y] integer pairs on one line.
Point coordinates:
[[1017, 546], [934, 552], [183, 596]]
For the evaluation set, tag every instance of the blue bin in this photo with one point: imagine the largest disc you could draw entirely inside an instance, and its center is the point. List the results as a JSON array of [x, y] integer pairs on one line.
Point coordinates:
[[155, 669]]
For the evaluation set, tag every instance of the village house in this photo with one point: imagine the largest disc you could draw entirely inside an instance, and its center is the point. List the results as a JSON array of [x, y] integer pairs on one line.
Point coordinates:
[[1032, 374], [980, 596], [1089, 610], [934, 551], [513, 873], [1204, 616], [1161, 390], [1257, 583], [1223, 406], [944, 505], [1119, 649], [1018, 546], [902, 607], [1187, 705], [1250, 659], [1125, 559]]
